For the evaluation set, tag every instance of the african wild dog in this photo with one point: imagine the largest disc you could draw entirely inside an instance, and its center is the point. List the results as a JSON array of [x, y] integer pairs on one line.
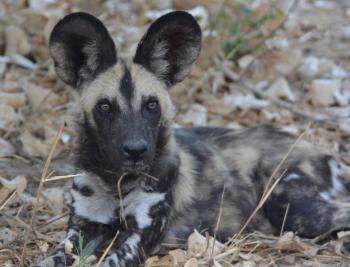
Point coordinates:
[[125, 132]]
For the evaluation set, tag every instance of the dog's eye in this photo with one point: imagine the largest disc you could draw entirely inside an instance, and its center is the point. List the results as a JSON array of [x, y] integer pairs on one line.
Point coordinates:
[[105, 107], [152, 105]]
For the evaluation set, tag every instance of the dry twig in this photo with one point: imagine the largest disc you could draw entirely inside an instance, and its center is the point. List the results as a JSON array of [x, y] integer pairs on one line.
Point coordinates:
[[38, 194], [107, 250]]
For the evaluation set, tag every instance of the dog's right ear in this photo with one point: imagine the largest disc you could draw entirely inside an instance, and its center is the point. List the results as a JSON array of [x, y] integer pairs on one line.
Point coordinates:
[[81, 48]]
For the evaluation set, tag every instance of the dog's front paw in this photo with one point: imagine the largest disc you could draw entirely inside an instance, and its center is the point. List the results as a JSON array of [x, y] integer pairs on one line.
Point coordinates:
[[57, 260]]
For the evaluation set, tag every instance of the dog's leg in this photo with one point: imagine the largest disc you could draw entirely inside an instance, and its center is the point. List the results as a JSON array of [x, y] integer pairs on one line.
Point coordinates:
[[311, 203], [90, 232], [146, 215], [93, 217]]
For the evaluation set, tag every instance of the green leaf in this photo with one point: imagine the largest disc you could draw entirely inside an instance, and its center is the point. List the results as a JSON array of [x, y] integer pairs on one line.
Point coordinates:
[[267, 17], [234, 30], [251, 22], [89, 249], [230, 47], [81, 242], [244, 9]]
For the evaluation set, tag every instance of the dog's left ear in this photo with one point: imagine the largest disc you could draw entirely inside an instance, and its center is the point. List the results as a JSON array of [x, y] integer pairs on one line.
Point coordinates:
[[170, 46]]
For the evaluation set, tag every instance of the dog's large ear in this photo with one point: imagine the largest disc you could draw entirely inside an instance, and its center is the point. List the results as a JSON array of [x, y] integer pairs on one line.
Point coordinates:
[[81, 48], [170, 46]]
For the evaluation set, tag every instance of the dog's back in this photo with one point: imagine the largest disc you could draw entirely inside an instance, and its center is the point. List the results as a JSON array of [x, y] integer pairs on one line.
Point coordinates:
[[238, 164]]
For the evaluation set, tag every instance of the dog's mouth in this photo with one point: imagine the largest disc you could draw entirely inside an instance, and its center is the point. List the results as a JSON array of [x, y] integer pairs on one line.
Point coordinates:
[[135, 167]]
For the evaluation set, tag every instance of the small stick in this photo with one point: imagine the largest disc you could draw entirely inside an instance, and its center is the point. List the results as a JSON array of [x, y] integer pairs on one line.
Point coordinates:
[[107, 250], [40, 189], [284, 220], [60, 177], [279, 166], [218, 220], [150, 176], [8, 199], [54, 219], [260, 204]]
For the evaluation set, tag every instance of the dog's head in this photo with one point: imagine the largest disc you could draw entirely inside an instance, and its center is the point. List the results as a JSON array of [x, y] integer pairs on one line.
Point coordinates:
[[125, 108]]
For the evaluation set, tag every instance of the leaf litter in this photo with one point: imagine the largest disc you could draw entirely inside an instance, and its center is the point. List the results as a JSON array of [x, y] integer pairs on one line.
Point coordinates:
[[284, 63]]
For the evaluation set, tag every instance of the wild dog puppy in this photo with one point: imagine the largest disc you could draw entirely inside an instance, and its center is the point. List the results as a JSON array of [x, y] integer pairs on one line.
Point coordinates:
[[171, 180]]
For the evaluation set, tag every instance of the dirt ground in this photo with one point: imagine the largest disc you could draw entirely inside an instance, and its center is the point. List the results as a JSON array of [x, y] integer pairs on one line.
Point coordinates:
[[284, 63]]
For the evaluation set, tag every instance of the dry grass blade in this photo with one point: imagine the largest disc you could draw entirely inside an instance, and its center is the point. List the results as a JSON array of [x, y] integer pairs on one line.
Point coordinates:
[[284, 219], [61, 177], [107, 250], [279, 166], [54, 219], [269, 188], [218, 220], [259, 206], [150, 176], [7, 200], [40, 189]]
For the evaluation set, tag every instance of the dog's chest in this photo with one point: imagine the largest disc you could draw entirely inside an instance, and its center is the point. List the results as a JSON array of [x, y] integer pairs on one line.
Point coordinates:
[[97, 202]]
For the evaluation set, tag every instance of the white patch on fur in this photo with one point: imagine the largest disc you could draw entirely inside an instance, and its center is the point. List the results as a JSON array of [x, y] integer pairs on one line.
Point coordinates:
[[138, 203], [292, 176], [326, 195], [101, 206], [163, 224], [133, 243], [336, 173], [337, 184], [112, 257]]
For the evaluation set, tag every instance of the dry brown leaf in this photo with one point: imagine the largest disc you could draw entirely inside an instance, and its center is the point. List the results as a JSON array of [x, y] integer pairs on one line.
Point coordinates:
[[55, 199], [9, 86], [19, 183], [193, 262], [290, 242], [321, 92], [16, 100], [196, 115], [42, 98], [33, 146], [281, 89], [6, 148], [199, 246], [180, 256], [8, 116], [16, 41], [155, 261]]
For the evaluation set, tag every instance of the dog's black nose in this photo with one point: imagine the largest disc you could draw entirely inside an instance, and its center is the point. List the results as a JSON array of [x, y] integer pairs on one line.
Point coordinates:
[[135, 150]]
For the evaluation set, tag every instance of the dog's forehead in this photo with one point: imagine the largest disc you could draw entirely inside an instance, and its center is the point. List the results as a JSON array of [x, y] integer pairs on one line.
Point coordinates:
[[128, 84], [103, 86]]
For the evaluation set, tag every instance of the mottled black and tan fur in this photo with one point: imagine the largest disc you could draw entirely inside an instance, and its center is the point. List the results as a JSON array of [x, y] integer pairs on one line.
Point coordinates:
[[125, 132]]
